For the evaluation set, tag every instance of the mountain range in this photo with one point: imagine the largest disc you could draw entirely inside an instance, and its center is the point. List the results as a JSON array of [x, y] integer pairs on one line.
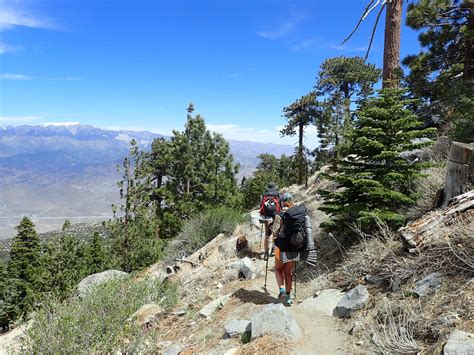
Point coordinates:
[[56, 172]]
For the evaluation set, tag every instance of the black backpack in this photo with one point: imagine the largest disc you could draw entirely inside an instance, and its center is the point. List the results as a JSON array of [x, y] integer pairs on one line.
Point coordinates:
[[270, 205], [295, 227]]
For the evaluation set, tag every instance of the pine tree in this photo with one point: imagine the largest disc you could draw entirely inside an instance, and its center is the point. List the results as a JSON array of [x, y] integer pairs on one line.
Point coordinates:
[[23, 270], [374, 180], [97, 254], [441, 75], [300, 114]]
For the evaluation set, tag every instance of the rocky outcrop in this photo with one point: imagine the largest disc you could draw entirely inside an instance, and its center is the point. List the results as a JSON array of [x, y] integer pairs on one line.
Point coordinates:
[[324, 303], [210, 308], [95, 279], [147, 315]]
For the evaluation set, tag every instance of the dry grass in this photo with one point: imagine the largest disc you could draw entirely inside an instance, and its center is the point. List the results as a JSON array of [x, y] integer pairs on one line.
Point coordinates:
[[429, 189], [267, 344], [399, 321]]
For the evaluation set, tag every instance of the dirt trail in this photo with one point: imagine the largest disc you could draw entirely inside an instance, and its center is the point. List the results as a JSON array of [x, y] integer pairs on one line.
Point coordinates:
[[322, 334]]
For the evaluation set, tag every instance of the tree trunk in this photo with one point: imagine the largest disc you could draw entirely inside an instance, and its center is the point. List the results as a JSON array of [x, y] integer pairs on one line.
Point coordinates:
[[460, 171], [469, 56], [391, 50], [300, 154]]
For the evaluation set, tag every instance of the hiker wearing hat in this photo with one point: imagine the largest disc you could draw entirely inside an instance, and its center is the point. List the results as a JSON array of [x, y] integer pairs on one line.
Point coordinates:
[[289, 238], [269, 208]]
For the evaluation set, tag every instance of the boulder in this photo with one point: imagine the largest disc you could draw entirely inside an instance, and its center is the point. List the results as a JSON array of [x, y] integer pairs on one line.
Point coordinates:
[[352, 300], [244, 267], [275, 318], [324, 303], [459, 342], [210, 308], [248, 268], [236, 327], [427, 284], [147, 314], [172, 349], [95, 279]]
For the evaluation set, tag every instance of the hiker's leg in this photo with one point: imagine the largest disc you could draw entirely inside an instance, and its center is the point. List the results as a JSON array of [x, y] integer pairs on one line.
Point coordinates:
[[287, 271], [279, 274]]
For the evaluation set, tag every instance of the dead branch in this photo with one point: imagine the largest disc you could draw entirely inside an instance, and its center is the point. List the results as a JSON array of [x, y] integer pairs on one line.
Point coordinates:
[[373, 31]]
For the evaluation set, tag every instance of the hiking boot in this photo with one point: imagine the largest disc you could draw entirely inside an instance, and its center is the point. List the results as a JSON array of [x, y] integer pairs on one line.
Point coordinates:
[[272, 252], [288, 302], [282, 294]]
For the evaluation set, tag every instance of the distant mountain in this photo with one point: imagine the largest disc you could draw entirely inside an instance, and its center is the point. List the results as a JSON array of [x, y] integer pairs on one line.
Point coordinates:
[[54, 172]]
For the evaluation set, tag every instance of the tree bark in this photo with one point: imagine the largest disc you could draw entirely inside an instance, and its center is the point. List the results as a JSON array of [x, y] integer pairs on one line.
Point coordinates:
[[391, 51], [469, 56], [300, 154], [460, 171]]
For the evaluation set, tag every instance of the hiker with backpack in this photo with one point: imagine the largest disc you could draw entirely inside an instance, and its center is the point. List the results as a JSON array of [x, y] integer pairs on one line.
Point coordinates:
[[290, 230], [269, 208]]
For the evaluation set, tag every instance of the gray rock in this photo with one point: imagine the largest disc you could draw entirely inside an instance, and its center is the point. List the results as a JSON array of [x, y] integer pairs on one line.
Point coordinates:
[[173, 349], [447, 320], [396, 283], [427, 284], [248, 268], [325, 303], [352, 300], [275, 318], [95, 279], [460, 343], [236, 327], [210, 308], [374, 279]]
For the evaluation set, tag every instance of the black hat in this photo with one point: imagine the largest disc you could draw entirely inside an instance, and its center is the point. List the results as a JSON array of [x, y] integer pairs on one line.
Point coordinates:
[[271, 185]]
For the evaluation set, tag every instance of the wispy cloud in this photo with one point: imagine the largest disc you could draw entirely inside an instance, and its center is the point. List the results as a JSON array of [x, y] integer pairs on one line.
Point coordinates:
[[348, 49], [10, 76], [6, 48], [11, 15], [306, 44], [18, 119], [233, 75], [278, 32]]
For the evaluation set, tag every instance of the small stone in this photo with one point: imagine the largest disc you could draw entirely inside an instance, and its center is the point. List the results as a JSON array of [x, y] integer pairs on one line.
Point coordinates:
[[396, 283], [231, 351], [356, 329], [359, 343], [210, 308], [147, 314], [427, 284], [179, 312], [219, 285], [351, 301], [374, 279]]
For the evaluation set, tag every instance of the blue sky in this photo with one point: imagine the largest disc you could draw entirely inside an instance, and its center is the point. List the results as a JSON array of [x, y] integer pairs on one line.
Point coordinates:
[[137, 64]]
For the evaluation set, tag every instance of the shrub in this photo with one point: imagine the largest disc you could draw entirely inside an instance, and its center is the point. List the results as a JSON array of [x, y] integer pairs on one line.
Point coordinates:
[[202, 228], [97, 323]]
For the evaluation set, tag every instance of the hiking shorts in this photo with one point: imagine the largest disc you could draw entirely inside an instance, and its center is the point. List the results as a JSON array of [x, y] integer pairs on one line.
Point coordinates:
[[287, 256]]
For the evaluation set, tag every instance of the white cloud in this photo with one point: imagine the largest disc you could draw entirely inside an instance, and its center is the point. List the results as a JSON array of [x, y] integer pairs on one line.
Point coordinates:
[[12, 16], [236, 132], [13, 120], [5, 48], [9, 76], [305, 44], [278, 32], [60, 124]]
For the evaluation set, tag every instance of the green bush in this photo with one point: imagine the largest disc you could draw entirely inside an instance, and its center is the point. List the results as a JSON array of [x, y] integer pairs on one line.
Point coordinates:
[[97, 323], [202, 228]]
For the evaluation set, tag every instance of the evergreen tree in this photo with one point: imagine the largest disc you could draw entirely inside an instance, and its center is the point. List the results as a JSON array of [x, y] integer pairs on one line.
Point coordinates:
[[97, 254], [23, 270], [440, 76], [374, 180], [300, 114]]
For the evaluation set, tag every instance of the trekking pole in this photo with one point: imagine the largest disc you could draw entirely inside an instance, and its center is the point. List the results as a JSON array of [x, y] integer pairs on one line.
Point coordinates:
[[296, 264], [266, 271], [261, 235]]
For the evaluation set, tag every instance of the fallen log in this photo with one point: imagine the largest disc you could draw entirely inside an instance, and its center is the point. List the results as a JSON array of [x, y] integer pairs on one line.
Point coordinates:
[[439, 224]]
